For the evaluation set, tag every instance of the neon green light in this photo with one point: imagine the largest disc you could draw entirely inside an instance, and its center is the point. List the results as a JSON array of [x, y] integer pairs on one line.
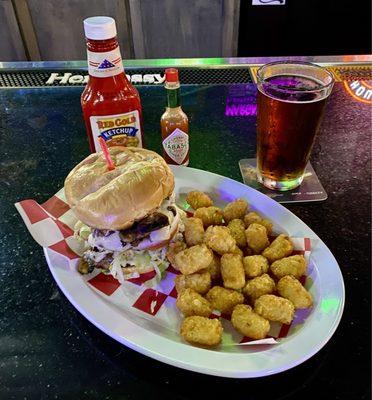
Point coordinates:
[[162, 62]]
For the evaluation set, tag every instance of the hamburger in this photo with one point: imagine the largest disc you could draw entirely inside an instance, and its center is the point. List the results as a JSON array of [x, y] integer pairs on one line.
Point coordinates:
[[126, 216]]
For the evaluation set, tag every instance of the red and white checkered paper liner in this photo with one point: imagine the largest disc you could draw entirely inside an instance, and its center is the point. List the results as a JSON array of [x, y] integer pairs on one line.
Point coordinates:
[[51, 225]]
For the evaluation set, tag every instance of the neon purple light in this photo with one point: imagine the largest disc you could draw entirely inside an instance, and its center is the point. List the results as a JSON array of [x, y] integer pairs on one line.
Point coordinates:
[[241, 101], [240, 110]]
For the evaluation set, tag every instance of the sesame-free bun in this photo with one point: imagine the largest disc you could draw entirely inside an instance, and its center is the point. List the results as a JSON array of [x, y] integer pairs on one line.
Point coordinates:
[[115, 199]]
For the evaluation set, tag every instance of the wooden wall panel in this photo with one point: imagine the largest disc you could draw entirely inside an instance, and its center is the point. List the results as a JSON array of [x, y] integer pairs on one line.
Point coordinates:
[[59, 26], [53, 29], [177, 28], [11, 45]]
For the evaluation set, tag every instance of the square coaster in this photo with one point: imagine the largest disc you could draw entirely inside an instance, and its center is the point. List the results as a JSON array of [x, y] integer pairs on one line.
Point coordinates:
[[310, 190]]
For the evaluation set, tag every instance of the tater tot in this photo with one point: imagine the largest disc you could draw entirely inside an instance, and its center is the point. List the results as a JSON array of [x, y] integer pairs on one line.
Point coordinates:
[[200, 282], [275, 308], [173, 249], [237, 231], [279, 248], [293, 265], [209, 216], [193, 259], [214, 268], [267, 224], [256, 236], [223, 299], [232, 271], [219, 239], [198, 199], [190, 302], [250, 218], [259, 286], [201, 330], [194, 231], [237, 250], [253, 217], [255, 266], [291, 289], [235, 209], [248, 323]]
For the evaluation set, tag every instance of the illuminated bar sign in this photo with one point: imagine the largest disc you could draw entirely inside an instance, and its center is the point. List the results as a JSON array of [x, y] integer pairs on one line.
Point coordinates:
[[68, 78], [360, 90], [241, 101]]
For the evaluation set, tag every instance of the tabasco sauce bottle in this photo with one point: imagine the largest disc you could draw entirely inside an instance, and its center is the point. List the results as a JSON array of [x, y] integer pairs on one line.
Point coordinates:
[[111, 105], [174, 123]]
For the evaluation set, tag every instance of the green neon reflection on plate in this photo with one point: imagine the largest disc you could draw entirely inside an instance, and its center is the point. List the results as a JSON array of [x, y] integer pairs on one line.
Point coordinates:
[[328, 305]]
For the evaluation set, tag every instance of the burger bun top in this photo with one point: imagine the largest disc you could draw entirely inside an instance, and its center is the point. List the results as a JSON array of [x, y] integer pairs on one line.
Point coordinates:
[[114, 200]]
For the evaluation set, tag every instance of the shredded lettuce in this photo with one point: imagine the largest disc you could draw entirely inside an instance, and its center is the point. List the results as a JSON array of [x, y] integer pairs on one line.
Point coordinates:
[[139, 258], [160, 274], [82, 231]]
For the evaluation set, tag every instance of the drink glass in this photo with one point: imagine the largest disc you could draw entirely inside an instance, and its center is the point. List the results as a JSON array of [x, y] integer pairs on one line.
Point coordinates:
[[291, 100]]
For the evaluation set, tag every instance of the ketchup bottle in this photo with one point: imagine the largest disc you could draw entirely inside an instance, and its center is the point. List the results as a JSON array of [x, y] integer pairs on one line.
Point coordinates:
[[174, 123], [111, 105]]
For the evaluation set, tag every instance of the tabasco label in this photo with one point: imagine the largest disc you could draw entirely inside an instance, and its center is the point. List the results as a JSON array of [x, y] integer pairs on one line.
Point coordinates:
[[176, 145], [117, 130]]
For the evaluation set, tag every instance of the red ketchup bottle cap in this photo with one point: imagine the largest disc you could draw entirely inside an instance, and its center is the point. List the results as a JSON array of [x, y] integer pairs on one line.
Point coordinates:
[[171, 75]]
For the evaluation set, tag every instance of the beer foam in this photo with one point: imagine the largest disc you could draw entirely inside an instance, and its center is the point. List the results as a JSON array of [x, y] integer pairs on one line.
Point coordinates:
[[293, 88]]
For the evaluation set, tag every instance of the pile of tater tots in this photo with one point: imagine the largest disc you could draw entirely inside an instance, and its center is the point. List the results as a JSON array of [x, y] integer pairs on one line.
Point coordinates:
[[230, 262]]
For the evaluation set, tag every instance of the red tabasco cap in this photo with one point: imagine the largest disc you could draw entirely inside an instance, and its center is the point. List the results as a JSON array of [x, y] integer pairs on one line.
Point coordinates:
[[171, 75]]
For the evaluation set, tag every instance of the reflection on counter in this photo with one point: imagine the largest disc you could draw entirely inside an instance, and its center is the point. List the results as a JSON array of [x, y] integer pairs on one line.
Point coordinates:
[[241, 101]]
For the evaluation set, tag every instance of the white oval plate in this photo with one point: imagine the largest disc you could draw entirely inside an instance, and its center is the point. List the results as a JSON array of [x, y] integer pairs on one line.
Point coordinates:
[[165, 345]]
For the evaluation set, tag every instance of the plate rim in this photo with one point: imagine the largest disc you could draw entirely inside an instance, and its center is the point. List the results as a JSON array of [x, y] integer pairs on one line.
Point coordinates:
[[190, 366]]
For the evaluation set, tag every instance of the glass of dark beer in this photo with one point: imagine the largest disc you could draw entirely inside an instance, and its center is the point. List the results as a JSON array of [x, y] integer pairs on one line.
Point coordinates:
[[291, 100]]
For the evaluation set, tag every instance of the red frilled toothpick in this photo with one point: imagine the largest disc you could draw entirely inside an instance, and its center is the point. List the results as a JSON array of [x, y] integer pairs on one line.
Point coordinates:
[[106, 153]]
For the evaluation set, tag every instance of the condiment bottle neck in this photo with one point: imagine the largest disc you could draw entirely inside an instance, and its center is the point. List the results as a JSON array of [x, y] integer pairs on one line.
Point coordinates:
[[101, 46], [104, 60], [173, 94]]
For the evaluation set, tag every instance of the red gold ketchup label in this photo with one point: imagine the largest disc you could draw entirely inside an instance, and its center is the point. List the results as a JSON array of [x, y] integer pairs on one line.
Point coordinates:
[[117, 130]]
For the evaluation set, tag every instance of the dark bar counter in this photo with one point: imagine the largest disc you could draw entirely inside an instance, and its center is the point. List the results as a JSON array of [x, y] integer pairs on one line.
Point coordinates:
[[48, 350]]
